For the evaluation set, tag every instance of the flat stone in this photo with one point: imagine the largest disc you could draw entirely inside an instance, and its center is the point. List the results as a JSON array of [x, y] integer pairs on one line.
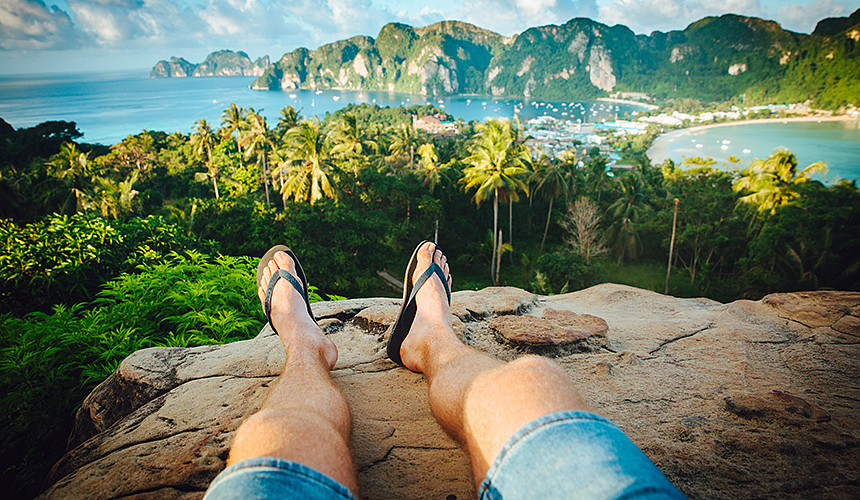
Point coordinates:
[[586, 325], [534, 331], [776, 405]]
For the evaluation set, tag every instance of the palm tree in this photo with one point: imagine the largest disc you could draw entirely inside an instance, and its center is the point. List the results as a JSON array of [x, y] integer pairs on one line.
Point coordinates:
[[232, 122], [348, 139], [115, 199], [552, 183], [428, 160], [773, 182], [597, 176], [625, 210], [288, 120], [258, 140], [72, 168], [309, 167], [202, 141], [404, 142], [497, 167]]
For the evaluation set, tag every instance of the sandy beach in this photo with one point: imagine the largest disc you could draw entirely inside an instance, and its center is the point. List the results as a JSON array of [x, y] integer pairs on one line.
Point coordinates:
[[658, 148]]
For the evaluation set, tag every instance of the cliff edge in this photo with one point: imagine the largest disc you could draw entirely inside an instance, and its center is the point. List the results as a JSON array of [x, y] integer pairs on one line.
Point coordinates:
[[739, 400]]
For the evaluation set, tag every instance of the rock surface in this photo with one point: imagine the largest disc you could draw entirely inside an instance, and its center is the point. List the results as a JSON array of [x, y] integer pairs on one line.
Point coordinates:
[[739, 400]]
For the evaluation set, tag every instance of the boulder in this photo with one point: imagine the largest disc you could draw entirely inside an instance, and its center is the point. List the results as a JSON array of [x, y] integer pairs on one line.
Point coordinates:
[[747, 399]]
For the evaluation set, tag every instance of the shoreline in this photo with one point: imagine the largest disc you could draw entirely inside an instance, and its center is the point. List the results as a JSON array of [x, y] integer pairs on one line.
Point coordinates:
[[658, 147], [649, 107]]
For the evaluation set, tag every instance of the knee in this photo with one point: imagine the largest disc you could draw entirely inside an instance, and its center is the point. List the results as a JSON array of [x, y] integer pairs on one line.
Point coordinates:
[[536, 368], [290, 422], [264, 421], [525, 372]]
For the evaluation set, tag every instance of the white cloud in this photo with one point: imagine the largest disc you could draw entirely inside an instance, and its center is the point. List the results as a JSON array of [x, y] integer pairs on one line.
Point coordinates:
[[193, 28], [30, 24], [804, 16], [644, 16], [514, 16]]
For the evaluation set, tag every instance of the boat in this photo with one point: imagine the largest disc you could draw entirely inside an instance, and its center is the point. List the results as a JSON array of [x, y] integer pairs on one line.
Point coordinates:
[[747, 151], [318, 92], [293, 96], [700, 145], [335, 98]]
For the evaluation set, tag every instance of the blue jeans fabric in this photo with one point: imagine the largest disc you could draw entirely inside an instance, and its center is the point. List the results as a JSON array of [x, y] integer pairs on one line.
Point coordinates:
[[563, 455], [573, 454], [270, 477]]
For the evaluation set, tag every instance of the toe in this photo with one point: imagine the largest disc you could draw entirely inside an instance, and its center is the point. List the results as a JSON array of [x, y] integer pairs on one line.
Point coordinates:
[[264, 282], [284, 261]]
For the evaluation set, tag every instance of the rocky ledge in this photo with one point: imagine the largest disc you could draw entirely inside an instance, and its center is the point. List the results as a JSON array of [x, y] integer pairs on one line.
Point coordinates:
[[740, 400]]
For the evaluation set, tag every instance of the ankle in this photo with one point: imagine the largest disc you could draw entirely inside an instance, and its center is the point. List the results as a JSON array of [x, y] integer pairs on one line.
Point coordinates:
[[431, 347], [310, 349]]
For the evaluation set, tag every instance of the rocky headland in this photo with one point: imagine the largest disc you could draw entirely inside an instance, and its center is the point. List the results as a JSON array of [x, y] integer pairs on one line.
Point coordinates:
[[219, 63], [714, 58], [751, 399]]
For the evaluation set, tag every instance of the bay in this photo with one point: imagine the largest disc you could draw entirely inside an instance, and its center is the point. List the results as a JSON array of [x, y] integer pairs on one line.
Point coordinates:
[[109, 106], [836, 143]]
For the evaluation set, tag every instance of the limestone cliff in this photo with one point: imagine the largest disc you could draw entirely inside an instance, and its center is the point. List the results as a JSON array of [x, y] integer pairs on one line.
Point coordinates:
[[219, 63], [444, 58], [175, 67], [740, 400], [584, 58]]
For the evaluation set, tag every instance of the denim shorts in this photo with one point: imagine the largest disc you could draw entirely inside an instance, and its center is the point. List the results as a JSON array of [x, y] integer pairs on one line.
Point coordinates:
[[567, 454]]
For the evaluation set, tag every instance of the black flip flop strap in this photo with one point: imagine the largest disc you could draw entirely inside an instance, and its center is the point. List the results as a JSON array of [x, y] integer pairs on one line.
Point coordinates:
[[433, 269], [272, 282]]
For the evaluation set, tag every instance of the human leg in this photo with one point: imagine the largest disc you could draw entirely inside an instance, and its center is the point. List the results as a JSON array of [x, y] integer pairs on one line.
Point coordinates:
[[305, 418], [477, 399], [522, 421]]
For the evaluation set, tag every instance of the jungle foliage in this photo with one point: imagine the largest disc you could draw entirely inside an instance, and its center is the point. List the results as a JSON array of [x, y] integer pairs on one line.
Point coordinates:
[[153, 240]]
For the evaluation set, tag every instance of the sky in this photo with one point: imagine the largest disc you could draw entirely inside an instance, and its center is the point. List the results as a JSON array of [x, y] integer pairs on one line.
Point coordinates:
[[112, 35]]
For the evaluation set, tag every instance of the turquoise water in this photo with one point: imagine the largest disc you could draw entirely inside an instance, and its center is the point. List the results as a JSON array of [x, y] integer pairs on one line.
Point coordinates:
[[109, 106], [836, 143]]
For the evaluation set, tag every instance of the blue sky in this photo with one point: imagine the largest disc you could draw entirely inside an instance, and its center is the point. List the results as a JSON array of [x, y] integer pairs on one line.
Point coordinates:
[[39, 36]]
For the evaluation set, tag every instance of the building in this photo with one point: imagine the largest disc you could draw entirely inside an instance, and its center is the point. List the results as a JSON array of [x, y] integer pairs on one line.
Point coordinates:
[[437, 124]]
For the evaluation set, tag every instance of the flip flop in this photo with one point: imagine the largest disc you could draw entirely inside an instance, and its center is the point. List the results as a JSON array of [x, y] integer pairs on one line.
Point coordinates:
[[299, 282], [401, 327]]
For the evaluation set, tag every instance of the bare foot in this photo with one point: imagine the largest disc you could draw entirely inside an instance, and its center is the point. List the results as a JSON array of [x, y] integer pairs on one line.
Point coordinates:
[[299, 333], [432, 325]]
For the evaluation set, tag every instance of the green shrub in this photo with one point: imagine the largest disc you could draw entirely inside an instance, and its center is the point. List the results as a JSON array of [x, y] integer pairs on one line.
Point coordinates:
[[64, 259], [340, 247], [564, 272], [50, 361]]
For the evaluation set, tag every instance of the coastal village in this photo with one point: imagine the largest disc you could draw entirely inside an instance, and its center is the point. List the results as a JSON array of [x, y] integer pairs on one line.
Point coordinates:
[[570, 138], [559, 137]]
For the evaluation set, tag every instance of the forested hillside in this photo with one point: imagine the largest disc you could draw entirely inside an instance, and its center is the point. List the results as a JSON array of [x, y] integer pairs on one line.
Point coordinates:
[[716, 58]]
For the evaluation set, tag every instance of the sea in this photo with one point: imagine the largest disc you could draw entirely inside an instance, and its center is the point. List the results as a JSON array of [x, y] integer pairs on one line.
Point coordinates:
[[836, 143], [109, 106]]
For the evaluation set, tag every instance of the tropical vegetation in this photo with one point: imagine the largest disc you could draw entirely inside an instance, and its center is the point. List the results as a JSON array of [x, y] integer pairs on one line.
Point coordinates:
[[152, 241]]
